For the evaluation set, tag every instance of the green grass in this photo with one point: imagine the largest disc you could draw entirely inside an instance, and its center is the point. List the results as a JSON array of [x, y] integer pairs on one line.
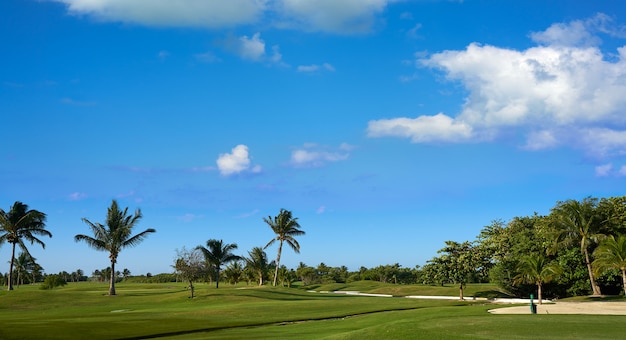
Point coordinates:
[[82, 310]]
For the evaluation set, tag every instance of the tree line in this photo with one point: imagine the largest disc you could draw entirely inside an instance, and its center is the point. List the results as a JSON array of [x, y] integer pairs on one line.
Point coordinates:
[[579, 248]]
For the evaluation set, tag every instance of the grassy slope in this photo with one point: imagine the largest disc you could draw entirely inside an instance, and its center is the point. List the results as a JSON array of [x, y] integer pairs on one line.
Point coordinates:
[[81, 310]]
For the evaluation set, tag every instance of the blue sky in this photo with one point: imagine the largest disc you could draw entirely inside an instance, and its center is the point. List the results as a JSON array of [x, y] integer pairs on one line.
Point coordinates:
[[387, 127]]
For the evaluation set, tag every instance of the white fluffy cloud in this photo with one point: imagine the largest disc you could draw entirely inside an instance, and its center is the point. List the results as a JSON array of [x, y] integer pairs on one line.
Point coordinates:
[[237, 161], [199, 13], [313, 155], [345, 16], [563, 92]]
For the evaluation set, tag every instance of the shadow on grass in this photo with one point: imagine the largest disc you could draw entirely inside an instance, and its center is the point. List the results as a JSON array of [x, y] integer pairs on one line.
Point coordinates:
[[492, 294], [262, 324]]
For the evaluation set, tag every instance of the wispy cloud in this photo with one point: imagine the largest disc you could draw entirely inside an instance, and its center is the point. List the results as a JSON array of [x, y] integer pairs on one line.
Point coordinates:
[[314, 155], [187, 218], [207, 57], [248, 214], [70, 101], [76, 196], [316, 67]]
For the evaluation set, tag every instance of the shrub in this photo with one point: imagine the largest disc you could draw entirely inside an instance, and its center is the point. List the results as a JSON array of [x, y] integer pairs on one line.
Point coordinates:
[[52, 281]]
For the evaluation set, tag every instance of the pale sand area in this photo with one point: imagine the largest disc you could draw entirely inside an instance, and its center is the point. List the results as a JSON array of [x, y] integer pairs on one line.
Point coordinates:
[[600, 308]]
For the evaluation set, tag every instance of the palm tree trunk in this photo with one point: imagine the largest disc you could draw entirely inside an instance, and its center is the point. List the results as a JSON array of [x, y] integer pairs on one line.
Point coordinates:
[[461, 291], [11, 268], [217, 277], [594, 286], [280, 249], [624, 279], [539, 292], [112, 283]]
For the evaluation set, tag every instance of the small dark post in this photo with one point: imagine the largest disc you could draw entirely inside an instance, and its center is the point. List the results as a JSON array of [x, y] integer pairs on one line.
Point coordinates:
[[533, 306]]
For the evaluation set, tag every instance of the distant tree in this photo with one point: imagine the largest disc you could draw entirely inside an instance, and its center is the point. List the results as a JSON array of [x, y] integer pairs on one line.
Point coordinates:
[[257, 263], [234, 272], [20, 224], [576, 222], [189, 265], [611, 254], [459, 263], [80, 274], [125, 273], [24, 264], [218, 254], [286, 228], [115, 236], [307, 274], [53, 281], [538, 270]]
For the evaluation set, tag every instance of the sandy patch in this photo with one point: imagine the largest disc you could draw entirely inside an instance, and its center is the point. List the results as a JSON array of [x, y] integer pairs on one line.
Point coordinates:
[[602, 308]]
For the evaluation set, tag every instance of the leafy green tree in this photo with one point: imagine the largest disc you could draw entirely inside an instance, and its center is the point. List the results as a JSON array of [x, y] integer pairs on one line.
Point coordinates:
[[459, 263], [115, 236], [611, 254], [125, 273], [257, 263], [576, 222], [20, 224], [307, 274], [53, 281], [538, 270], [189, 265], [286, 227], [218, 254]]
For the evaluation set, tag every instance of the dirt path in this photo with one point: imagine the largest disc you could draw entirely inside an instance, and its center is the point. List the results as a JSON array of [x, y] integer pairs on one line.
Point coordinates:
[[602, 308]]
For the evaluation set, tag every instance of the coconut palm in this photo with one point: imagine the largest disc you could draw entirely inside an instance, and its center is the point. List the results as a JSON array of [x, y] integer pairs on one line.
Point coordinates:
[[285, 227], [24, 264], [218, 254], [536, 269], [257, 263], [115, 236], [575, 222], [21, 224], [611, 254]]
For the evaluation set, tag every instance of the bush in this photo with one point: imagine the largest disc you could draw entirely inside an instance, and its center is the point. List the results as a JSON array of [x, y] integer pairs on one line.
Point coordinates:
[[52, 281]]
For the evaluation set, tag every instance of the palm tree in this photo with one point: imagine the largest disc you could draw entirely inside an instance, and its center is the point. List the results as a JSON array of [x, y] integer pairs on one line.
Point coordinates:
[[218, 254], [115, 236], [576, 223], [285, 227], [257, 263], [611, 254], [24, 263], [234, 272], [21, 224], [536, 269]]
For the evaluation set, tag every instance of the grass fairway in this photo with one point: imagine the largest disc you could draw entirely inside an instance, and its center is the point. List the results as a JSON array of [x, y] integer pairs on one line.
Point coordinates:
[[142, 311]]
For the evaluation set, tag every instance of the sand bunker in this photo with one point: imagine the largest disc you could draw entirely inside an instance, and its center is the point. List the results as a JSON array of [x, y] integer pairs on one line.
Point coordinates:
[[602, 308]]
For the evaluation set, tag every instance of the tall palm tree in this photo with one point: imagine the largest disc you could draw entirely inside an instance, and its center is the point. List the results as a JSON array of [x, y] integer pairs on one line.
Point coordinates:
[[115, 236], [21, 224], [611, 254], [575, 222], [257, 263], [536, 269], [285, 227], [218, 254]]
